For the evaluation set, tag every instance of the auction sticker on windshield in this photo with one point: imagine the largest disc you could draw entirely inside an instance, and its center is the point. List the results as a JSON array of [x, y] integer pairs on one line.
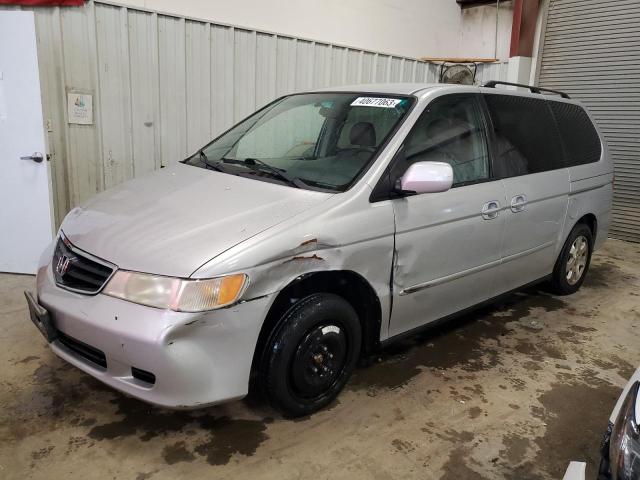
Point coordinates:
[[375, 102]]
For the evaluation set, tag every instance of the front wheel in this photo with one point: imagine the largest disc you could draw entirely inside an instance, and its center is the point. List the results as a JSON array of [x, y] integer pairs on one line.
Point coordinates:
[[573, 263], [311, 354]]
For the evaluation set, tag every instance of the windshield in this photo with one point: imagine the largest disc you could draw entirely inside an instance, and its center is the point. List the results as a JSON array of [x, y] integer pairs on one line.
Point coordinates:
[[316, 140]]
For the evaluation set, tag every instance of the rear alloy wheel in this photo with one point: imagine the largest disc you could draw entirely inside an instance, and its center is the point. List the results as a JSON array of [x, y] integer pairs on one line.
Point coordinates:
[[573, 263], [577, 262], [311, 354]]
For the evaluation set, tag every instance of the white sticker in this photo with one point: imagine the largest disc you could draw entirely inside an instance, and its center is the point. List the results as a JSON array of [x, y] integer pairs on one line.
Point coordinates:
[[375, 102], [80, 108], [330, 329]]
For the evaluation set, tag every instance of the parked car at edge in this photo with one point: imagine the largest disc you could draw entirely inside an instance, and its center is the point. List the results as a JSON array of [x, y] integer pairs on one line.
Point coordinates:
[[621, 443], [317, 230]]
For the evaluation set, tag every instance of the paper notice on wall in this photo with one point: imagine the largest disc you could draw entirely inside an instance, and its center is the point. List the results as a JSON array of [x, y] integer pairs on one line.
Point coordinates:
[[3, 99], [80, 108]]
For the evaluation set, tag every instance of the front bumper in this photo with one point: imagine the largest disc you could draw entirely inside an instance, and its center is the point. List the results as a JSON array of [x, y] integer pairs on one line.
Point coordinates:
[[198, 359]]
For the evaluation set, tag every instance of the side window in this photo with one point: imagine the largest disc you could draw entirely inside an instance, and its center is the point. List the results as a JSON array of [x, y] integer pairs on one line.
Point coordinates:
[[579, 136], [526, 136], [451, 130]]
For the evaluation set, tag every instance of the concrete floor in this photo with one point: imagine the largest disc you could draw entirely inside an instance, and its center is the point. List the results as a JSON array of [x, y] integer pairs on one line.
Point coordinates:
[[513, 391]]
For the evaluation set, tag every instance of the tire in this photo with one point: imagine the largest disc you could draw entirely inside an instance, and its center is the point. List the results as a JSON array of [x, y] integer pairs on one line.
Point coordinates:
[[567, 278], [311, 354]]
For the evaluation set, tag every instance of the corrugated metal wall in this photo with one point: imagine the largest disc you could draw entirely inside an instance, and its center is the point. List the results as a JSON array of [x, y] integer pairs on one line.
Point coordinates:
[[163, 86], [591, 51]]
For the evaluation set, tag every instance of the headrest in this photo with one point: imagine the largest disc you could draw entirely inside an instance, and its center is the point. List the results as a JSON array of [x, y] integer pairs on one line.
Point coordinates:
[[363, 134]]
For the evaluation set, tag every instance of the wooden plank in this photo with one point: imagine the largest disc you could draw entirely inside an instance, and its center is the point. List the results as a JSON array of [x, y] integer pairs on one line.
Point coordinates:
[[457, 60]]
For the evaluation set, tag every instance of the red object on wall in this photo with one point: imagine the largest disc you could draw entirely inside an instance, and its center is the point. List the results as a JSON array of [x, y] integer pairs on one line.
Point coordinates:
[[44, 3], [523, 28]]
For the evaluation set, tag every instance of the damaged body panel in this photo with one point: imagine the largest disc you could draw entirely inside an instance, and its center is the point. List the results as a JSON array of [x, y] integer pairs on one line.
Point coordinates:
[[337, 236], [313, 231]]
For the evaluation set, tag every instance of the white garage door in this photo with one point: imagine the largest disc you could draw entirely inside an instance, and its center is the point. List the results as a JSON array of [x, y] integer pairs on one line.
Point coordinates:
[[591, 50]]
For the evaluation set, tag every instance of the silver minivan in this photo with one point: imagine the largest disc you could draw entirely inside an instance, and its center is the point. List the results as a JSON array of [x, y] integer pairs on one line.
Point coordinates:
[[316, 231]]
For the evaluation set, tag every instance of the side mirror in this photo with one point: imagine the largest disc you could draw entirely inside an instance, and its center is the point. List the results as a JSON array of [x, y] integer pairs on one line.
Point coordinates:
[[425, 177]]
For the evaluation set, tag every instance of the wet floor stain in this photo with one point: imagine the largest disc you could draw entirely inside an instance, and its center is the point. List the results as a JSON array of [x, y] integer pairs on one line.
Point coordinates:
[[516, 447], [141, 421], [42, 453], [457, 468], [230, 436], [402, 446], [576, 414], [601, 275], [474, 412], [62, 396], [615, 363], [460, 343], [177, 452], [225, 436]]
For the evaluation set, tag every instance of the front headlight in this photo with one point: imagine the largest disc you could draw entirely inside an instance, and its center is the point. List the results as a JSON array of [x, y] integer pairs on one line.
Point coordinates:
[[179, 294], [624, 449]]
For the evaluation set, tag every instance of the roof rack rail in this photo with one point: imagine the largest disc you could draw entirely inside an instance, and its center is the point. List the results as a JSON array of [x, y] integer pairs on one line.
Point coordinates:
[[532, 89]]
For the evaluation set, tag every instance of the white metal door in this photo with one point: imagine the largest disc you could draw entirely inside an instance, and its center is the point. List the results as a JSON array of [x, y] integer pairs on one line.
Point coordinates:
[[25, 201]]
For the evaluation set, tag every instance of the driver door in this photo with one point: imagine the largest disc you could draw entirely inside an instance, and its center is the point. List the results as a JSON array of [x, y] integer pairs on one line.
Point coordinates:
[[448, 244]]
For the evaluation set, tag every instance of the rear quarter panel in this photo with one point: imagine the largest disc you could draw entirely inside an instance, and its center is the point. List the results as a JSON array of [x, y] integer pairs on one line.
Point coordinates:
[[591, 191]]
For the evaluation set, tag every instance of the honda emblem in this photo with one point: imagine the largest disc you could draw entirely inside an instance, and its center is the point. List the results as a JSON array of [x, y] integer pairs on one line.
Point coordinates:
[[63, 265]]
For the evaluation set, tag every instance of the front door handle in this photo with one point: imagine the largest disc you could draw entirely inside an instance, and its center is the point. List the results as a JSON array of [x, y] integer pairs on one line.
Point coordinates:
[[518, 203], [491, 210], [36, 157]]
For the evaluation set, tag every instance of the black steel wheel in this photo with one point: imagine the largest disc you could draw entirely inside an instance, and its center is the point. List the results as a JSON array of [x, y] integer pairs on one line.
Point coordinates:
[[319, 360], [311, 354]]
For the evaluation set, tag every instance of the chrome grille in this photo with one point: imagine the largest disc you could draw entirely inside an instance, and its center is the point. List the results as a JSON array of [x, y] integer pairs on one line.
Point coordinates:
[[78, 271]]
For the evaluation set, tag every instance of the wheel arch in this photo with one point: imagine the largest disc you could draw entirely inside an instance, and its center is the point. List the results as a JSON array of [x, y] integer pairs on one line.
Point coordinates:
[[590, 221], [345, 283]]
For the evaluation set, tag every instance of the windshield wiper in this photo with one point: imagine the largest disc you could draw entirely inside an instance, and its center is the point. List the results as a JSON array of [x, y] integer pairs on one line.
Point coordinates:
[[209, 164], [256, 164]]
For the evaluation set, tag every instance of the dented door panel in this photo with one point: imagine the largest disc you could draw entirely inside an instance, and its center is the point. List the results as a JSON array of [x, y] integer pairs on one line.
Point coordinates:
[[447, 253]]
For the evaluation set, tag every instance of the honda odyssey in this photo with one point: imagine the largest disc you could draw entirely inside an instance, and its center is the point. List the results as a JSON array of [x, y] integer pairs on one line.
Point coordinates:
[[318, 230]]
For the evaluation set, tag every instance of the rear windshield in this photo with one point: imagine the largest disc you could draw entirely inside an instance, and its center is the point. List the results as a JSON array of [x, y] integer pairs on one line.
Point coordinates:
[[579, 136], [316, 141]]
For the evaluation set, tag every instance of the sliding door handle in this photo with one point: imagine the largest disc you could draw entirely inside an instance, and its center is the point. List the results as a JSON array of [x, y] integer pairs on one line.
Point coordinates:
[[518, 203], [491, 210]]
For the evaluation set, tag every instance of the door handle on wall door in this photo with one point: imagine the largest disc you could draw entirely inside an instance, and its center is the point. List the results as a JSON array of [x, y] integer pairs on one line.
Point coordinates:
[[518, 203], [490, 210], [36, 157]]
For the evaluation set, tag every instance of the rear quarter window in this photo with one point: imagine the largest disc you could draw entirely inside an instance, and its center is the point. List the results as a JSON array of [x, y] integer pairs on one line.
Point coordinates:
[[526, 139], [579, 136]]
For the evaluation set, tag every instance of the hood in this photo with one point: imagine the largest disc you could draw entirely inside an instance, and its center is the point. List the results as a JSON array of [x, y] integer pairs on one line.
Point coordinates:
[[174, 220]]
